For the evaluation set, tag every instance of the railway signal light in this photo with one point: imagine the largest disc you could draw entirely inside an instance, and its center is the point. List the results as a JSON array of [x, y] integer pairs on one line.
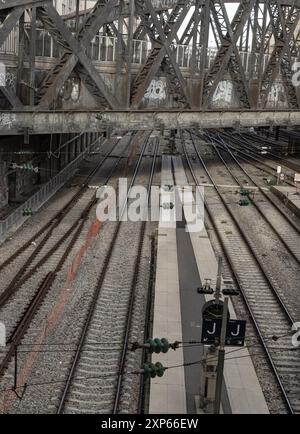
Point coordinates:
[[230, 291], [244, 192], [152, 370], [168, 205], [27, 212], [206, 288], [272, 180], [244, 202], [25, 166]]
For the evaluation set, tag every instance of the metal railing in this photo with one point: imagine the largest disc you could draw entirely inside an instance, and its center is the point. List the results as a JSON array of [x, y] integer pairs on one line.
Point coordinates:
[[11, 44], [16, 218], [104, 49]]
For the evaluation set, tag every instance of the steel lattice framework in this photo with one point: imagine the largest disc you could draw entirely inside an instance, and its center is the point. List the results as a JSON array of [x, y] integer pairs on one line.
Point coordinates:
[[257, 27]]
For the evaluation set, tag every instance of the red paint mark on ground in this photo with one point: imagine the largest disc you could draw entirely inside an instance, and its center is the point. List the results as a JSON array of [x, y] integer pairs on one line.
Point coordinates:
[[8, 398]]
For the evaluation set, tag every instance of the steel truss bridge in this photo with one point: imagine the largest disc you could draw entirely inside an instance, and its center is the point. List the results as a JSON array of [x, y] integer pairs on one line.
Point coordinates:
[[259, 28]]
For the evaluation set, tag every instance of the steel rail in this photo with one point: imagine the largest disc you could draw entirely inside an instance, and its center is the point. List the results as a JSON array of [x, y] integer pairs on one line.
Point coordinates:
[[21, 276], [97, 293], [258, 139], [234, 271], [261, 190], [255, 151], [291, 252], [133, 286], [248, 156], [50, 225], [33, 306]]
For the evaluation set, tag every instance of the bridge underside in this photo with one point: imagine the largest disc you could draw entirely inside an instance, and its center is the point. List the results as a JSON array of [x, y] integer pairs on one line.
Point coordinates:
[[62, 122]]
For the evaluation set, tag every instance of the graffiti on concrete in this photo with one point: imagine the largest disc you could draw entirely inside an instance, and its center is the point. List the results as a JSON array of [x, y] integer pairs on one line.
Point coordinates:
[[156, 90], [7, 79], [6, 120], [223, 92], [164, 3], [2, 74], [277, 96], [296, 75], [71, 90], [107, 81]]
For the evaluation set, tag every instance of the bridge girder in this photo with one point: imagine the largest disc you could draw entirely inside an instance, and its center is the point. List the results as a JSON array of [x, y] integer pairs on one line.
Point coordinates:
[[63, 122], [8, 4]]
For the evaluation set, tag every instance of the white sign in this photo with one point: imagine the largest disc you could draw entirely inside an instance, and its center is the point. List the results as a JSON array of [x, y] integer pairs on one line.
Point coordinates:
[[297, 177], [278, 169]]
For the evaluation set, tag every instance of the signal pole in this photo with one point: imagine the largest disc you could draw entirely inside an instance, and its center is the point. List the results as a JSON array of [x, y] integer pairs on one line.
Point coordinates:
[[219, 279], [221, 358], [210, 394]]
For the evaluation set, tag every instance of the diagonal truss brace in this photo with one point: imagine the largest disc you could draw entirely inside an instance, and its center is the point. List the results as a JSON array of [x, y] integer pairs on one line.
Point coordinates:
[[7, 26], [9, 23], [283, 29], [226, 50], [103, 12], [235, 64], [168, 50], [158, 53]]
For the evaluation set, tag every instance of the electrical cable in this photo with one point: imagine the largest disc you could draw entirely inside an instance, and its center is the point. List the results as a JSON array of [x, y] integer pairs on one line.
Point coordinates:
[[99, 377]]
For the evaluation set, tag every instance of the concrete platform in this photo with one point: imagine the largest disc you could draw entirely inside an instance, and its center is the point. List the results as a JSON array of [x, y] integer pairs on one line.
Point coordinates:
[[243, 389], [184, 260], [290, 196], [242, 386], [167, 394]]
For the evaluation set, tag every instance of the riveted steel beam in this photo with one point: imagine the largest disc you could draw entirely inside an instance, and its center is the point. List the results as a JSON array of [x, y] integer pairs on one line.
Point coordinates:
[[44, 122]]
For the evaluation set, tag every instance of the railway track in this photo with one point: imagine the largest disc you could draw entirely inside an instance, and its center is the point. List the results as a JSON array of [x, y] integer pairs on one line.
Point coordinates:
[[47, 229], [285, 229], [239, 158], [266, 307], [58, 252], [255, 162], [259, 140], [276, 228], [17, 268], [252, 152], [109, 318], [246, 157]]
